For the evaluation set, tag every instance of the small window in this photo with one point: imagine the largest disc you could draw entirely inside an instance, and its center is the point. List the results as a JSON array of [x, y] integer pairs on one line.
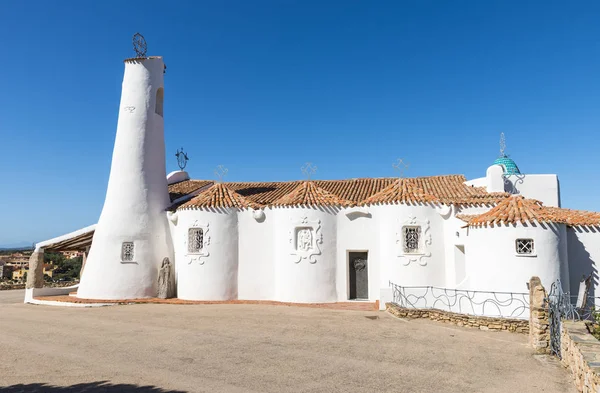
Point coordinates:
[[159, 101], [127, 252], [411, 236], [195, 240], [524, 247]]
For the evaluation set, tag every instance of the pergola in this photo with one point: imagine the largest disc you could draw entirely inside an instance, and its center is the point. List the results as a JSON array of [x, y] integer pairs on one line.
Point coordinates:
[[79, 240]]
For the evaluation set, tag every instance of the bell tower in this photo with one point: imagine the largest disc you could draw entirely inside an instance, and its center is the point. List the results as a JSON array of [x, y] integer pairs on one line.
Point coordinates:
[[132, 236]]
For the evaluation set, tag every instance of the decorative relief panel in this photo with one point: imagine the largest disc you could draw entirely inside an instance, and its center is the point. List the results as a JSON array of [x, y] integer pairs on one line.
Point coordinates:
[[413, 240], [196, 242], [305, 240]]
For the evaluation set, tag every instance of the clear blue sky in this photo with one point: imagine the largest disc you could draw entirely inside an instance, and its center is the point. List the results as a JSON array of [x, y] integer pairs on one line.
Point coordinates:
[[264, 86]]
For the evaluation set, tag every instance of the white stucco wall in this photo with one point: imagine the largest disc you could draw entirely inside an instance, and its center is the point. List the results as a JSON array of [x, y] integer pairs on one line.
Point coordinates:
[[256, 280], [301, 281], [492, 263], [136, 195], [177, 176], [584, 257], [213, 276], [357, 230], [410, 270], [544, 188]]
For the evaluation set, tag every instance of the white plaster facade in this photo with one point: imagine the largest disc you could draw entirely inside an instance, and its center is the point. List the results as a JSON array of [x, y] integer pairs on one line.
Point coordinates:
[[301, 253]]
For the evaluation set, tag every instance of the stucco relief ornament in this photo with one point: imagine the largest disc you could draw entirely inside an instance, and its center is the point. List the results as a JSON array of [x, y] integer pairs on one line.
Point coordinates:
[[424, 241], [203, 252], [305, 239]]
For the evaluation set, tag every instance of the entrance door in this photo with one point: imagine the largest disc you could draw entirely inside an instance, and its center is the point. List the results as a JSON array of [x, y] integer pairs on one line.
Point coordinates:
[[359, 275]]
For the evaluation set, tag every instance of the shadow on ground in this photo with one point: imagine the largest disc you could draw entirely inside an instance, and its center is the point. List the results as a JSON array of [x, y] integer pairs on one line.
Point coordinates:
[[90, 387]]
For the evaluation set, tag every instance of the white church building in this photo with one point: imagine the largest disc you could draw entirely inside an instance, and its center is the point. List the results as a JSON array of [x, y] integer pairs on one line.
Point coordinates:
[[317, 241]]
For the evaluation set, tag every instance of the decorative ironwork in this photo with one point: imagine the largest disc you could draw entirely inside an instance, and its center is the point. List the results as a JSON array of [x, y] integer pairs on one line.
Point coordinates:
[[221, 172], [524, 246], [139, 45], [502, 144], [127, 249], [400, 166], [195, 240], [182, 158], [411, 236], [510, 186], [308, 169], [559, 307], [479, 303]]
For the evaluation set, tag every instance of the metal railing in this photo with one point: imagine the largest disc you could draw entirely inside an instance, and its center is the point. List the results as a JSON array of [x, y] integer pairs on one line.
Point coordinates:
[[477, 303]]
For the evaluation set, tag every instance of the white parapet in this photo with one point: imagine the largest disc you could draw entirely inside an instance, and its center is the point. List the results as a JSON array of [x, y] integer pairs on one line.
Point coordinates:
[[132, 235]]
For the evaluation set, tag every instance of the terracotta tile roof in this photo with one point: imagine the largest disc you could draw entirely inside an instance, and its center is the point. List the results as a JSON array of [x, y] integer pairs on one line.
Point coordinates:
[[466, 217], [512, 210], [309, 194], [576, 217], [400, 191], [183, 188], [219, 196], [517, 209], [448, 189]]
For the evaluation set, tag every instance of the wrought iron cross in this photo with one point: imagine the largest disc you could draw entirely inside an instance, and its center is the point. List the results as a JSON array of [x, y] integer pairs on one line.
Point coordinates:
[[139, 45], [308, 169], [400, 166], [182, 158], [502, 144], [221, 172]]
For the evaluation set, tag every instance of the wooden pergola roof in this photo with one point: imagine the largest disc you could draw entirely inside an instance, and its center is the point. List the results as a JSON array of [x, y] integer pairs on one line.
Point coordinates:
[[74, 241]]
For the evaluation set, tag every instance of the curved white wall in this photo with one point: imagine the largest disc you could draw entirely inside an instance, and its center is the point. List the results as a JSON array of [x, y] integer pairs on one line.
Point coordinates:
[[256, 278], [410, 270], [584, 257], [493, 265], [302, 281], [214, 276], [136, 196]]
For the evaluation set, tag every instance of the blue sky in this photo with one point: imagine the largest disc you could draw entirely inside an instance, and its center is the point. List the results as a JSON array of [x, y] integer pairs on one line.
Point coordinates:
[[264, 86]]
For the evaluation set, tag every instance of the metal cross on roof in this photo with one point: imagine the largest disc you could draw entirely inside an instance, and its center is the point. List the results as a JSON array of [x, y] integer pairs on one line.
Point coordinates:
[[221, 172], [182, 158], [400, 166], [139, 45], [502, 144], [308, 169]]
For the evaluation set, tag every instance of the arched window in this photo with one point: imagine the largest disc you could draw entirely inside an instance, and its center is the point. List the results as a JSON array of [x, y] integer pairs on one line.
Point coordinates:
[[159, 101]]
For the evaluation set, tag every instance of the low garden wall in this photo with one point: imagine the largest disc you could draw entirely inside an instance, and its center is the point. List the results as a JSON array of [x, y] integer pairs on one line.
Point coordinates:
[[580, 352], [472, 321], [6, 286]]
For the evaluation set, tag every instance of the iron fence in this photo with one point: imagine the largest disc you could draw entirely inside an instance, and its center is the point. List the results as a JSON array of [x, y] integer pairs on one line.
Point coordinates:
[[477, 303]]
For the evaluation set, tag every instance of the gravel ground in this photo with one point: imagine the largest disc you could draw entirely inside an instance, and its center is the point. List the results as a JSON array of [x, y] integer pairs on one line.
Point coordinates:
[[256, 348]]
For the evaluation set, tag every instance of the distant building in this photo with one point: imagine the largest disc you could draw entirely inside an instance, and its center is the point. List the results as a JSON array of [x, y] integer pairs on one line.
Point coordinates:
[[5, 271], [71, 254]]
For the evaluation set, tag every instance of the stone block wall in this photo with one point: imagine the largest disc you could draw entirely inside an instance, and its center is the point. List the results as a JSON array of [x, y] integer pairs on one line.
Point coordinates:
[[580, 352], [472, 321], [539, 333]]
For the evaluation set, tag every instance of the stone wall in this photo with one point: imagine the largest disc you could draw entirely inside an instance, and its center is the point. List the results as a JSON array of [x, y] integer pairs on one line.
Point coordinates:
[[580, 352], [539, 333], [472, 321]]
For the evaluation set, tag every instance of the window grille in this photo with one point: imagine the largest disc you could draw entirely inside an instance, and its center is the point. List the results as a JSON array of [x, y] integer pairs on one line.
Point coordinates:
[[195, 240], [411, 236], [127, 252], [524, 246]]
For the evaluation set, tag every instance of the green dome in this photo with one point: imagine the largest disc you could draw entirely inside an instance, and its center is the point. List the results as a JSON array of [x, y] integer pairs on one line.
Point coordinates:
[[510, 168]]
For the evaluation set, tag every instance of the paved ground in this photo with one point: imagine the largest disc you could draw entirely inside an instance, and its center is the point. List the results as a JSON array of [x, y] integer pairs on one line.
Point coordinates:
[[256, 348]]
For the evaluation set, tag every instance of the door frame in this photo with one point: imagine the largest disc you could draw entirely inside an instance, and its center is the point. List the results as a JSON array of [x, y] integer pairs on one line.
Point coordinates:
[[348, 251]]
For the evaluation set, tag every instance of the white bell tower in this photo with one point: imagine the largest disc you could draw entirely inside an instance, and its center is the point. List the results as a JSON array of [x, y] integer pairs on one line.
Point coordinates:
[[132, 236]]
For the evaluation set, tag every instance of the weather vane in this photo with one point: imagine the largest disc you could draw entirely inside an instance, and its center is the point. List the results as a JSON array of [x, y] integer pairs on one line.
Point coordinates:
[[182, 158], [139, 45], [221, 172], [502, 144], [400, 166], [308, 169]]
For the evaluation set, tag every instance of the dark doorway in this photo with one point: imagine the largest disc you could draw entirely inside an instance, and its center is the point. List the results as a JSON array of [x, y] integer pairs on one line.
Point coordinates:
[[359, 275]]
